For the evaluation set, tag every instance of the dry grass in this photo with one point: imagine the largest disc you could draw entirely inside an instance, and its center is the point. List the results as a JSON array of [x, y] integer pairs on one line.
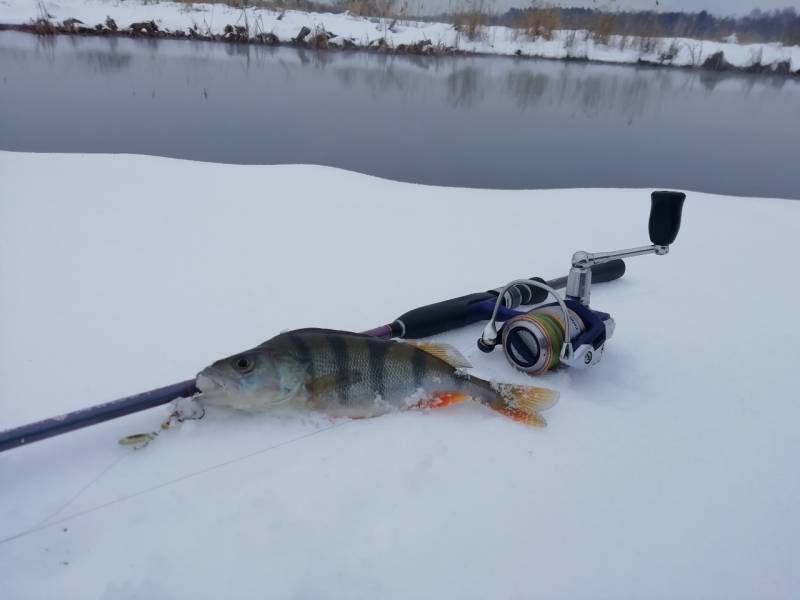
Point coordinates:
[[367, 8], [648, 44], [570, 41], [472, 21], [359, 8], [538, 22], [278, 5], [601, 27]]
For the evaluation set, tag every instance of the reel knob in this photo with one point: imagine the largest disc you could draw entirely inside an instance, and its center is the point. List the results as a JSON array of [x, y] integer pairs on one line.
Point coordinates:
[[665, 216]]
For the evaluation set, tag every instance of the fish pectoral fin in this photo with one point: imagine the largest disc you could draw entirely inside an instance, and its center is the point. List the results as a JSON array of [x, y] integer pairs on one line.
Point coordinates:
[[444, 352], [442, 399], [289, 393], [328, 383]]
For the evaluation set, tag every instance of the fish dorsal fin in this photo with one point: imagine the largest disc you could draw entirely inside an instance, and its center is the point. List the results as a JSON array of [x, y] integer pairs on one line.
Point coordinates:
[[444, 352], [312, 330]]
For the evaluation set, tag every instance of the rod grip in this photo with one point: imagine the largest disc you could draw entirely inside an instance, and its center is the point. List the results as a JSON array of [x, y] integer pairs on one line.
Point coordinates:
[[440, 316]]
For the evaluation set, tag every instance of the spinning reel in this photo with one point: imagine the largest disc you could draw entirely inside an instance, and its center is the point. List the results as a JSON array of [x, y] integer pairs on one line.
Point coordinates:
[[568, 331]]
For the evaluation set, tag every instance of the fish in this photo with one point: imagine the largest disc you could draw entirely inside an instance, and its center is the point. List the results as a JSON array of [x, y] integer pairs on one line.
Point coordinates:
[[345, 374]]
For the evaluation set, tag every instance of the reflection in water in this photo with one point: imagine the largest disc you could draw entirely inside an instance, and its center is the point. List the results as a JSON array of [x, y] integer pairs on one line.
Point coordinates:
[[463, 87], [477, 121], [528, 89], [104, 62]]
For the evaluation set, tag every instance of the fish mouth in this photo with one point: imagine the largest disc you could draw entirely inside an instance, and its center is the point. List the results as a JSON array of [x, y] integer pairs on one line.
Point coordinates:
[[207, 385]]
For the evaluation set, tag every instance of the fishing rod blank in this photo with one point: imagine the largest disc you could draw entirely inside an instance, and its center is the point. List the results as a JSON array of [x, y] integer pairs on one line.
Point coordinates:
[[85, 417]]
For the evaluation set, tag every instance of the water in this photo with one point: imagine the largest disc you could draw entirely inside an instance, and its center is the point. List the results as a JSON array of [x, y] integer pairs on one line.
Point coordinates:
[[476, 122]]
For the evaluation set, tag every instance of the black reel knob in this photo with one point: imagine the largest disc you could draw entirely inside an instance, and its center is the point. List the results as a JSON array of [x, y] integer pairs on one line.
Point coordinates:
[[665, 216]]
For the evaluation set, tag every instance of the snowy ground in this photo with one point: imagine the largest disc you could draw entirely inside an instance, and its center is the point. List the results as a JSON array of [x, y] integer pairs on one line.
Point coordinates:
[[667, 471], [212, 19]]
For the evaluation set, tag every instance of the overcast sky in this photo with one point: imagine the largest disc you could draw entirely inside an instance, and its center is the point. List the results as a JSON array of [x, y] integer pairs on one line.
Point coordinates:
[[722, 7]]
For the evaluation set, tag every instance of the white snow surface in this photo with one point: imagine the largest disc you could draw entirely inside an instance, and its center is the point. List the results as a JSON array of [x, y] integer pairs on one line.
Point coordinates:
[[212, 18], [669, 470]]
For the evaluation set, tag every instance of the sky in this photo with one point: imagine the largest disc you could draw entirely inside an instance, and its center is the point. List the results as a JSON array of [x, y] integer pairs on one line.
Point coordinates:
[[720, 7]]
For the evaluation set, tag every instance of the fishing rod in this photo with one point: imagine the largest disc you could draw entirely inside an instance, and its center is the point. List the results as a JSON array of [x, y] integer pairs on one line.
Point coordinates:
[[531, 339], [418, 323]]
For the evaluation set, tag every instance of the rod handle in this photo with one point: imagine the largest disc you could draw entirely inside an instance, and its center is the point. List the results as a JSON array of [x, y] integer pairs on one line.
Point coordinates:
[[440, 316]]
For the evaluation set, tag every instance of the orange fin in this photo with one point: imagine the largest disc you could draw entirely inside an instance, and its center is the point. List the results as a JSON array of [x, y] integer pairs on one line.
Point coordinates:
[[442, 400], [519, 402], [531, 418], [526, 397], [444, 352]]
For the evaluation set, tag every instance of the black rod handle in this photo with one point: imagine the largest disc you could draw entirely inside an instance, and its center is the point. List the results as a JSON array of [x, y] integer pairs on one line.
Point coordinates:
[[440, 316], [665, 216]]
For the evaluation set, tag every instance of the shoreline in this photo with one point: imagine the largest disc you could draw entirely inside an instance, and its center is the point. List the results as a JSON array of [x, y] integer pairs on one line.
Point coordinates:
[[235, 35], [344, 31]]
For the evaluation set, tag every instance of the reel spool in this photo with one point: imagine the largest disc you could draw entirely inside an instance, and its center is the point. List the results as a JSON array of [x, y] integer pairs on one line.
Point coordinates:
[[562, 332], [533, 340]]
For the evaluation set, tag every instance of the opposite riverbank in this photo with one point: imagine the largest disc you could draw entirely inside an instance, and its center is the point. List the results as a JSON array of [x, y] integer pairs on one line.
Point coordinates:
[[219, 22]]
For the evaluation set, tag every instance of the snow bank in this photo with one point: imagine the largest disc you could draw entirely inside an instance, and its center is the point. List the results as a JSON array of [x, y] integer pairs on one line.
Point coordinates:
[[667, 471], [211, 19]]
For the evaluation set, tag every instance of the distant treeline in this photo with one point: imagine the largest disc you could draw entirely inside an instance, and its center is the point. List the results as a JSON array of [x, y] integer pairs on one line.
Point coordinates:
[[758, 26]]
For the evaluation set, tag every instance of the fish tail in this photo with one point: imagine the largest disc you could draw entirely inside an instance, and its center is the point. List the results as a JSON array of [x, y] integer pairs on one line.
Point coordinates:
[[519, 402]]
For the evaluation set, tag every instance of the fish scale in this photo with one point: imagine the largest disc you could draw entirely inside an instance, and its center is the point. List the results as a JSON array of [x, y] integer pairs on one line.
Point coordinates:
[[362, 369]]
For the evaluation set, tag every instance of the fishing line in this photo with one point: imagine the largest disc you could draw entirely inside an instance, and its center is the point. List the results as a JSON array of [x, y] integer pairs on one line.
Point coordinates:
[[42, 525], [76, 495]]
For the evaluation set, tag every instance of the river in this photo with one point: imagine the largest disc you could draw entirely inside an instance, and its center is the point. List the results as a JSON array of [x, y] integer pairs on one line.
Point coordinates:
[[458, 121]]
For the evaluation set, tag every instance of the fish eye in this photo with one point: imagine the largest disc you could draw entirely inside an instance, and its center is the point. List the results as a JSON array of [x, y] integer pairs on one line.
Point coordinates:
[[243, 364]]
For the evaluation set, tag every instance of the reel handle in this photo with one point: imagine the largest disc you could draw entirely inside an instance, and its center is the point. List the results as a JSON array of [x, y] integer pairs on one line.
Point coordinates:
[[665, 216], [602, 273]]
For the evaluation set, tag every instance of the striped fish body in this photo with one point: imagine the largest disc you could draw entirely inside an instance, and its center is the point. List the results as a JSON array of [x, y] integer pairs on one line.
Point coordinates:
[[346, 374], [359, 376]]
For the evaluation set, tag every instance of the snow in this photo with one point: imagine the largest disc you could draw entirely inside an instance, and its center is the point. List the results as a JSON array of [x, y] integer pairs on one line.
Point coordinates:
[[669, 470], [212, 18]]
